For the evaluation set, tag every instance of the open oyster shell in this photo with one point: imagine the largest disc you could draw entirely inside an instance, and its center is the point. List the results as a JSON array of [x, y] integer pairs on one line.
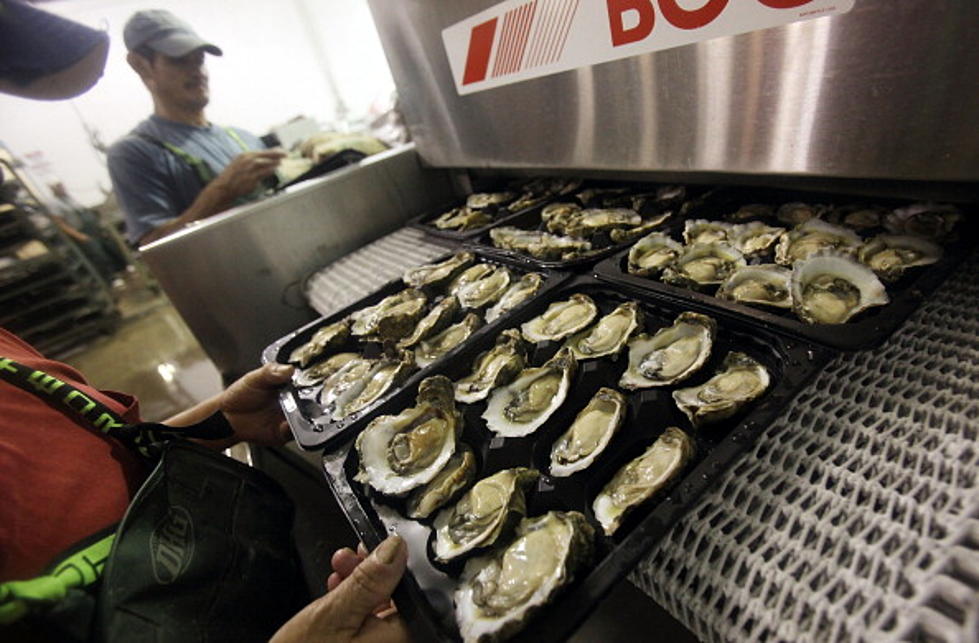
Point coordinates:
[[485, 290], [794, 214], [828, 288], [386, 373], [754, 239], [436, 275], [481, 200], [767, 284], [488, 510], [609, 335], [558, 212], [647, 225], [562, 318], [350, 375], [499, 593], [522, 406], [857, 217], [391, 318], [517, 293], [671, 355], [739, 381], [651, 254], [704, 231], [702, 265], [470, 275], [815, 236], [890, 255], [751, 211], [640, 479], [542, 245], [589, 434], [402, 452], [462, 219], [586, 223], [431, 349], [323, 341], [493, 368], [931, 220], [438, 317], [457, 474], [321, 370]]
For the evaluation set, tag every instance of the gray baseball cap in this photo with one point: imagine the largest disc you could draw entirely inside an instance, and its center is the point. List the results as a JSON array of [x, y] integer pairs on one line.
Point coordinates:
[[164, 33]]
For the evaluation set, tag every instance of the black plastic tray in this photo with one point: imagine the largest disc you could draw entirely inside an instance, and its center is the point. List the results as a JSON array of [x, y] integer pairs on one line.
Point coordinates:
[[424, 597], [310, 426], [867, 330], [501, 216], [327, 165]]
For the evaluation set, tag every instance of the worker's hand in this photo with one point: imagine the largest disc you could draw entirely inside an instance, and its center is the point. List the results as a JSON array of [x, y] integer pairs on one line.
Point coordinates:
[[252, 408], [349, 611], [245, 172]]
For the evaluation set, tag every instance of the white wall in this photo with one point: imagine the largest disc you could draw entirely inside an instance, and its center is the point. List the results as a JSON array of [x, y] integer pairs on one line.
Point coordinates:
[[277, 63]]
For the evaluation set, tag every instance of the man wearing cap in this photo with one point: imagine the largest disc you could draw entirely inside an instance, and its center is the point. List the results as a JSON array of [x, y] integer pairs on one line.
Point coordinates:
[[176, 167]]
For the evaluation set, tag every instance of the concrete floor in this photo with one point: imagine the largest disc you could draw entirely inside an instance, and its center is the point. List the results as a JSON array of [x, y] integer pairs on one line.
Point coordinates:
[[154, 356]]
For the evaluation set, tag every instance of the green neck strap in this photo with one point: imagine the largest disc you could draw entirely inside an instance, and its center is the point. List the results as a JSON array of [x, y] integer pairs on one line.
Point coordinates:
[[205, 174]]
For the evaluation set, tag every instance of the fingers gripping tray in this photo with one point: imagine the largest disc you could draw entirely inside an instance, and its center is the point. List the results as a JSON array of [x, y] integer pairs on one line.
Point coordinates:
[[428, 594]]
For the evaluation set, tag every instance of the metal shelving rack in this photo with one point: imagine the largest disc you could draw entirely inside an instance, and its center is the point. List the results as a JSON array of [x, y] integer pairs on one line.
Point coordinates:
[[50, 294]]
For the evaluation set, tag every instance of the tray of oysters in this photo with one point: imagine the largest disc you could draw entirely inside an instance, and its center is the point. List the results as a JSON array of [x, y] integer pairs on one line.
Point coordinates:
[[529, 473], [806, 267], [350, 362]]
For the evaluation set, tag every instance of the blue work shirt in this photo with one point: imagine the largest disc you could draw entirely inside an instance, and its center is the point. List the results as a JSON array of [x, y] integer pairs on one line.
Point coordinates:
[[153, 184]]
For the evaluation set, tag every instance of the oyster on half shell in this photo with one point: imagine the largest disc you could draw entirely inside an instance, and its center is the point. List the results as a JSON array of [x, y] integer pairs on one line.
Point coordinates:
[[815, 235], [469, 275], [931, 220], [488, 510], [323, 340], [651, 254], [438, 317], [457, 474], [640, 479], [671, 355], [402, 452], [890, 255], [586, 223], [755, 238], [350, 375], [767, 284], [386, 373], [462, 218], [589, 434], [321, 370], [485, 290], [500, 592], [647, 225], [702, 265], [562, 318], [435, 275], [391, 318], [522, 406], [481, 200], [739, 381], [517, 293], [495, 367], [828, 288], [609, 335], [429, 350], [704, 231]]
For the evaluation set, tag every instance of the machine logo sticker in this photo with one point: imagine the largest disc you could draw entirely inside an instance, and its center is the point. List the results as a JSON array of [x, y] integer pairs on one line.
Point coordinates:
[[518, 40], [172, 545]]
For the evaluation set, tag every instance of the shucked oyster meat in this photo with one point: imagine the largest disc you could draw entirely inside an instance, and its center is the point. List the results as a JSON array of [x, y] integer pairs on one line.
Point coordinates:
[[754, 239], [480, 200], [522, 406], [462, 219], [767, 284], [815, 235], [438, 317], [348, 376], [702, 265], [499, 593], [651, 254], [488, 510], [647, 225], [323, 341], [402, 452], [322, 370], [890, 255], [387, 372], [495, 367], [485, 290], [562, 318], [609, 335], [828, 288], [671, 355], [391, 318], [589, 434], [740, 380], [517, 293], [932, 220], [704, 231], [433, 348], [640, 479], [435, 275], [542, 245], [468, 276], [457, 474]]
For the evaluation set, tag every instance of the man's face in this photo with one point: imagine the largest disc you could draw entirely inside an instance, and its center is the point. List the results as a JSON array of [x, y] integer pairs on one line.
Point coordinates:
[[182, 81]]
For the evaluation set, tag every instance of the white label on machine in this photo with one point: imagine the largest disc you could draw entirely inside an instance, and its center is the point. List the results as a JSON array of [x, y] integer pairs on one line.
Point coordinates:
[[522, 39]]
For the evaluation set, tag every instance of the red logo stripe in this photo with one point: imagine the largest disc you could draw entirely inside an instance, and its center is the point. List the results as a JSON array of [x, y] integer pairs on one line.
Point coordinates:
[[503, 47], [480, 48]]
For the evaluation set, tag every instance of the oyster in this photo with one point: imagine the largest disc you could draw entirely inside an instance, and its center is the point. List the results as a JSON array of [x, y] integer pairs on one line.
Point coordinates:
[[857, 217], [485, 512], [347, 376], [485, 290], [517, 293], [609, 335], [393, 317], [558, 212], [470, 275], [620, 235], [814, 236], [755, 238], [595, 196], [498, 593], [751, 211], [829, 288], [672, 355], [541, 245], [589, 434], [704, 231], [704, 264], [586, 223], [740, 380], [481, 200], [323, 340], [436, 275], [932, 220], [462, 219], [457, 474], [640, 479], [386, 373], [438, 317], [652, 254], [431, 349], [562, 318], [495, 367], [322, 370], [768, 284], [402, 452], [890, 255], [519, 408], [795, 214]]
